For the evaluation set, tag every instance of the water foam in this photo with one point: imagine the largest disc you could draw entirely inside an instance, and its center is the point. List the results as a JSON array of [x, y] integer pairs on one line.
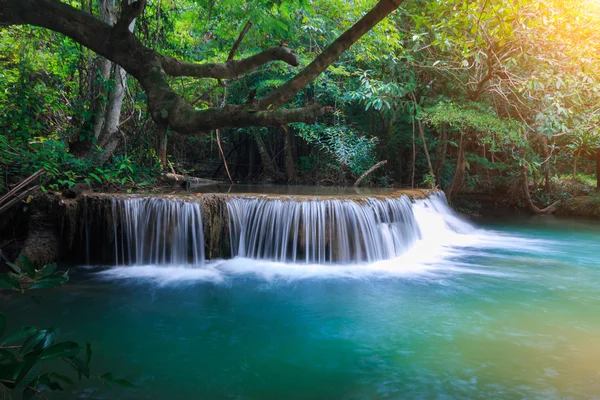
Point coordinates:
[[437, 235]]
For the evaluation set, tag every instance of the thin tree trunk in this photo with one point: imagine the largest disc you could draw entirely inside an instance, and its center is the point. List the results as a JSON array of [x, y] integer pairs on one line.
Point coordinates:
[[575, 163], [110, 137], [251, 159], [459, 173], [162, 144], [289, 156], [532, 207], [217, 131], [369, 171], [414, 155], [422, 136], [547, 165], [440, 156], [269, 168], [598, 169]]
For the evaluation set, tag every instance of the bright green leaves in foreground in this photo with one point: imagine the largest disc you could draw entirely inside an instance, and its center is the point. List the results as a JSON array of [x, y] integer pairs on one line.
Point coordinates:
[[27, 353]]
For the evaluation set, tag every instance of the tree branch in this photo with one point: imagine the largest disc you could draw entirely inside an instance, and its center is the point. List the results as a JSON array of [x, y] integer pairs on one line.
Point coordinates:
[[238, 42], [369, 171], [230, 69], [129, 12], [152, 70], [286, 92]]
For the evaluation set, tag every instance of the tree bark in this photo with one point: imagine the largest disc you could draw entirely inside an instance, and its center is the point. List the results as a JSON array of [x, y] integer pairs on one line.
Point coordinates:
[[369, 172], [162, 144], [440, 156], [422, 136], [110, 138], [547, 165], [104, 67], [598, 169], [414, 156], [268, 166], [290, 169], [575, 163], [532, 207], [459, 173]]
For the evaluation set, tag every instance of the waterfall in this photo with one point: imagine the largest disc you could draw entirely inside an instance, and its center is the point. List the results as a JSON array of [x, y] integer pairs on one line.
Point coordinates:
[[157, 231], [298, 229], [321, 230]]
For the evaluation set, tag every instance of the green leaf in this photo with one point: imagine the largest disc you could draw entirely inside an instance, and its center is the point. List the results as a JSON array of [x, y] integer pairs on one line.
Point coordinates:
[[18, 334], [30, 369], [33, 342], [61, 350], [8, 282], [27, 266], [48, 270], [15, 267], [96, 177], [49, 282]]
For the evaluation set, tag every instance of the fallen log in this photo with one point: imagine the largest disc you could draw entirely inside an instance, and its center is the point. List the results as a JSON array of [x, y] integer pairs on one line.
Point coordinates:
[[188, 182]]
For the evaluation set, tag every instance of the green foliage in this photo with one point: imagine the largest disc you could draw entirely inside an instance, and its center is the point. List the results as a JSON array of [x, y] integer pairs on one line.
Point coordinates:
[[64, 170], [348, 147], [501, 75], [28, 354]]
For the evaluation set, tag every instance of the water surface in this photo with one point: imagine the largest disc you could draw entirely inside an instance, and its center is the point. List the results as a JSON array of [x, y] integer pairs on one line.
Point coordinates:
[[511, 310]]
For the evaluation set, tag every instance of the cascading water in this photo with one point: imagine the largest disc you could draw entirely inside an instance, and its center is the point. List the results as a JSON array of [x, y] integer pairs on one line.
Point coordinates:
[[323, 230], [158, 231], [301, 230]]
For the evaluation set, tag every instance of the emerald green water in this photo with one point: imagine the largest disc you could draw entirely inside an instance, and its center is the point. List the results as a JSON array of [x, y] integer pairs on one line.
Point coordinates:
[[512, 312]]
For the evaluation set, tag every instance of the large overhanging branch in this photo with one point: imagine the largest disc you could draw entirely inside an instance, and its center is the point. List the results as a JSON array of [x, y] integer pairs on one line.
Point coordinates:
[[230, 69], [152, 70]]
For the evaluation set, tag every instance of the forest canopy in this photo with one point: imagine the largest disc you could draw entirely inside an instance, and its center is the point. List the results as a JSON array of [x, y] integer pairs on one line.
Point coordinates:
[[497, 96]]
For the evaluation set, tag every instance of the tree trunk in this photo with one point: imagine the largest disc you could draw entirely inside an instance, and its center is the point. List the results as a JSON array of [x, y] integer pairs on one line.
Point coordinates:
[[575, 163], [102, 75], [422, 136], [598, 169], [251, 160], [290, 169], [532, 207], [152, 69], [414, 156], [547, 165], [110, 138], [440, 156], [459, 173], [162, 144], [269, 167]]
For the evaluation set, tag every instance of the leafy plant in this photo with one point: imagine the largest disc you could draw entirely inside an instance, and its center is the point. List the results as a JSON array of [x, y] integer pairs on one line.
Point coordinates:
[[27, 352]]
